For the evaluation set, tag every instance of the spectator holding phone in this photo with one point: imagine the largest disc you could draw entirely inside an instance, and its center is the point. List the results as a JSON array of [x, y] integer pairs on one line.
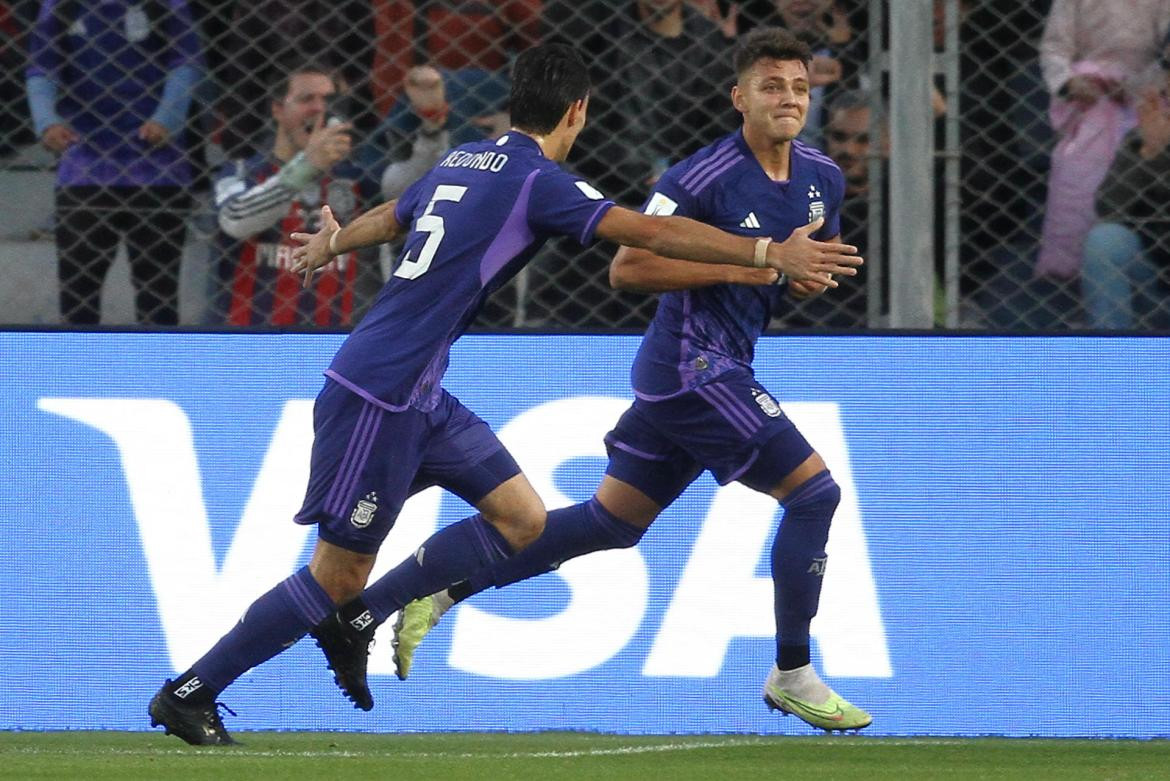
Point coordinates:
[[278, 191]]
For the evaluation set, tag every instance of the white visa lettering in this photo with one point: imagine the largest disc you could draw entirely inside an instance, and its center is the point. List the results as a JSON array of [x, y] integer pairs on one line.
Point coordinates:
[[610, 588], [607, 589], [736, 535], [198, 601]]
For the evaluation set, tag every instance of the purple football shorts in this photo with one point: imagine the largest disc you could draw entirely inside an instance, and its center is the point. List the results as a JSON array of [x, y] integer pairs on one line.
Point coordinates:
[[367, 461], [731, 426]]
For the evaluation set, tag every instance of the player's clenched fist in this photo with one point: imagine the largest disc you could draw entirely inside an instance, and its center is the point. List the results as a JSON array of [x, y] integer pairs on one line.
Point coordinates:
[[803, 258]]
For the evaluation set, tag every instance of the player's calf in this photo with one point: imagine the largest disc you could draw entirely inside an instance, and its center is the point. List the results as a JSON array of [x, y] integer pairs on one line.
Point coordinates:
[[799, 562]]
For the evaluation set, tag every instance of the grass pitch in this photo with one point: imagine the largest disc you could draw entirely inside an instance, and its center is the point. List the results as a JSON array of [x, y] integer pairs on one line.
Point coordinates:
[[481, 757]]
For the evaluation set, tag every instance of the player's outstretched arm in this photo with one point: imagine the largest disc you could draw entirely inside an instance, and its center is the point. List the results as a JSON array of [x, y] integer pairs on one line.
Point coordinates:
[[642, 271], [375, 227], [799, 256]]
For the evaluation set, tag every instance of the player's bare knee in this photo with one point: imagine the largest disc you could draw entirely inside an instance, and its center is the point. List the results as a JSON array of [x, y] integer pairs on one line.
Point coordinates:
[[529, 525], [520, 524], [340, 585], [341, 573]]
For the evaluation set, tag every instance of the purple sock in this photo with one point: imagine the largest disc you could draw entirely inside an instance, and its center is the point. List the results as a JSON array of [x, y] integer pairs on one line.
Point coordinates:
[[271, 624], [798, 564], [448, 556], [568, 532]]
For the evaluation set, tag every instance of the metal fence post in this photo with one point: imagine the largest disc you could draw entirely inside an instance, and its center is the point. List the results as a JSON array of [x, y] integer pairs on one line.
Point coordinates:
[[911, 208]]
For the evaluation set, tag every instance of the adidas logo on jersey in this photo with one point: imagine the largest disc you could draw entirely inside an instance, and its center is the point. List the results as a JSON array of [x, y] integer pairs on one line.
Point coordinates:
[[750, 221]]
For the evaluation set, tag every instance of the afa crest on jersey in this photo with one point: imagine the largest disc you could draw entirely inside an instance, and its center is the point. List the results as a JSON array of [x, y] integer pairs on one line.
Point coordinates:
[[767, 403], [363, 511], [816, 207]]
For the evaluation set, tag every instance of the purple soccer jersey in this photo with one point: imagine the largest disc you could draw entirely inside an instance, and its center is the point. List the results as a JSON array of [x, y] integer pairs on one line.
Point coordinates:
[[697, 335], [475, 219]]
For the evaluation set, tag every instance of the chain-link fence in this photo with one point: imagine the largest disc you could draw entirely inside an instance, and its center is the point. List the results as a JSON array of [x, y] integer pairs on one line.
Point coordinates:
[[155, 155]]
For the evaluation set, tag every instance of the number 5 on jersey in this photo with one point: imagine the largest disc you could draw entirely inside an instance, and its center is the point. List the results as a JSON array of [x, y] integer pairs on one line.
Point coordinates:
[[432, 224]]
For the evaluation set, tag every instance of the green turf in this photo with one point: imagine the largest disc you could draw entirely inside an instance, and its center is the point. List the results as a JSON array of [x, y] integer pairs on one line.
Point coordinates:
[[480, 757]]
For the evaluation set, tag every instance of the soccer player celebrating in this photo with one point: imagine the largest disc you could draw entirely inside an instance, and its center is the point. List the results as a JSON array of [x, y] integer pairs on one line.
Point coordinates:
[[385, 428], [698, 405]]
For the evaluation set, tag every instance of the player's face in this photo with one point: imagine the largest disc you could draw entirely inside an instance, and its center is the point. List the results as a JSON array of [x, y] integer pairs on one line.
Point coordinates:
[[847, 142], [303, 106], [773, 97]]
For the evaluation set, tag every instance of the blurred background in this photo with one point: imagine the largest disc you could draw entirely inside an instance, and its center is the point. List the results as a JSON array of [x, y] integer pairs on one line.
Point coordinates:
[[1007, 163]]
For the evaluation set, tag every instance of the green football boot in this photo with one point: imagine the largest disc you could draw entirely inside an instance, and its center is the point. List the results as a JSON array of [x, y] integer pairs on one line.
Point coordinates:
[[834, 713], [414, 621]]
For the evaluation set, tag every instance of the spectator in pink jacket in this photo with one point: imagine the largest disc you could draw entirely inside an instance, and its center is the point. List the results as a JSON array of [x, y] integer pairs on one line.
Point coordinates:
[[1096, 56]]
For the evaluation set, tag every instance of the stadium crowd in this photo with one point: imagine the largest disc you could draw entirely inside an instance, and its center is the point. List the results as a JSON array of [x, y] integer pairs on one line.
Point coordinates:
[[204, 132]]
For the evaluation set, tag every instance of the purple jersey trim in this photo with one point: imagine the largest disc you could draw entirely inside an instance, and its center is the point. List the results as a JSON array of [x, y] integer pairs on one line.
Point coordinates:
[[513, 237], [636, 452], [686, 373], [331, 374], [587, 234], [313, 606], [690, 176], [737, 422], [737, 406], [736, 403], [715, 174], [811, 488], [660, 397], [813, 154], [809, 154], [356, 456], [361, 457], [362, 421], [816, 160], [426, 389]]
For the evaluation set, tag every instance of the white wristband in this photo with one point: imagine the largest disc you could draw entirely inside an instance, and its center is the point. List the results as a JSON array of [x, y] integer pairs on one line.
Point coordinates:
[[761, 257], [333, 243]]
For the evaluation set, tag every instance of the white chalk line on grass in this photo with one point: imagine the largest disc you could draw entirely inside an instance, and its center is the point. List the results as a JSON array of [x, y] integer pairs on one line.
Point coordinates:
[[656, 748]]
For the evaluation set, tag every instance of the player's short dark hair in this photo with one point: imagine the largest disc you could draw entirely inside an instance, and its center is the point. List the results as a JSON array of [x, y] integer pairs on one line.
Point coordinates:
[[546, 80], [769, 43]]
